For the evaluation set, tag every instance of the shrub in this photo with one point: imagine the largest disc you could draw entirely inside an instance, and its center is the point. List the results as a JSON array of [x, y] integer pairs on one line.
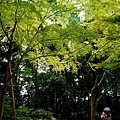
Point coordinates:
[[42, 115]]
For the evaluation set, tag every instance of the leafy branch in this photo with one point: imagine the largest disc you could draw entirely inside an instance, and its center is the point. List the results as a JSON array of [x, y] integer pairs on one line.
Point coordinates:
[[54, 55], [97, 51], [109, 88]]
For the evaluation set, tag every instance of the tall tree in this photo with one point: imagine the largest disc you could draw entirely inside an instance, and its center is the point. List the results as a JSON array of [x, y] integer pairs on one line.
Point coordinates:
[[33, 27], [102, 19]]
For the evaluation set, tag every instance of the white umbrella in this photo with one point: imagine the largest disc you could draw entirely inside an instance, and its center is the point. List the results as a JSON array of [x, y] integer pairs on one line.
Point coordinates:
[[106, 109]]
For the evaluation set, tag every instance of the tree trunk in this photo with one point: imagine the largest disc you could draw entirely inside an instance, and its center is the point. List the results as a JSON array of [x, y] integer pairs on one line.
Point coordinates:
[[2, 97], [94, 102], [12, 91], [3, 92], [93, 113], [94, 105], [13, 102]]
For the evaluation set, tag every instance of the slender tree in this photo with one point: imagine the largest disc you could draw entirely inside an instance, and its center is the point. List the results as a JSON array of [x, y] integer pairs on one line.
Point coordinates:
[[31, 28]]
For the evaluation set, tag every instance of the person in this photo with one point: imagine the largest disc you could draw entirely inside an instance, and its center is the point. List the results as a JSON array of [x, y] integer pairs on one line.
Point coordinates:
[[106, 114]]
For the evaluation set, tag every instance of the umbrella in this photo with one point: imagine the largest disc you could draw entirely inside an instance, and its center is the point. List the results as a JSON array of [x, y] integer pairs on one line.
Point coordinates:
[[107, 110]]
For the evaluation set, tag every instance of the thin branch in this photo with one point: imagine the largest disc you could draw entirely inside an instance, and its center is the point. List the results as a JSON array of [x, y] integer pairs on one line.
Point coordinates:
[[17, 66], [6, 33], [39, 26], [91, 66], [15, 24], [109, 88], [98, 50], [101, 79], [96, 77]]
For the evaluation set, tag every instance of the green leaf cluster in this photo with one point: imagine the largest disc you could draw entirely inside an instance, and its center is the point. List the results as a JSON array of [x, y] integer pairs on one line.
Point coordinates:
[[102, 19], [42, 114]]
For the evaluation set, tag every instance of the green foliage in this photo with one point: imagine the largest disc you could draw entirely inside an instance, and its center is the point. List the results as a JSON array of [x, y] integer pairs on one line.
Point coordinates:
[[23, 118], [45, 34], [50, 33], [36, 29], [47, 83], [8, 111], [23, 111], [42, 114], [102, 22]]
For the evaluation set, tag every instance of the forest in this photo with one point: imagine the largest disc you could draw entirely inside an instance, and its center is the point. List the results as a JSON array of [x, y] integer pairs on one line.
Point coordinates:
[[59, 59]]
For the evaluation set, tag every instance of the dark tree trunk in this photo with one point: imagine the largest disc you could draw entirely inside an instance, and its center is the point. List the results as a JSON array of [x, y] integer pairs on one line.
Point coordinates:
[[2, 97], [93, 105], [3, 92], [13, 102]]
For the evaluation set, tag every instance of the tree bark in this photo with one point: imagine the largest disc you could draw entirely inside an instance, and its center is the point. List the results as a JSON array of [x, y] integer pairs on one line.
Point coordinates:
[[3, 92], [12, 91], [93, 112], [94, 102], [13, 102], [2, 97]]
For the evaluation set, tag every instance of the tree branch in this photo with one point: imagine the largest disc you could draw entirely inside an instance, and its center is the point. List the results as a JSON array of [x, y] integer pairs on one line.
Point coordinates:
[[5, 32], [101, 79], [109, 88], [15, 24], [98, 50], [91, 66]]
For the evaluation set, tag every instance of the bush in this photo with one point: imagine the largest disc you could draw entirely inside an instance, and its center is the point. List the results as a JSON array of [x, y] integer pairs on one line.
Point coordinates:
[[42, 115], [23, 112]]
